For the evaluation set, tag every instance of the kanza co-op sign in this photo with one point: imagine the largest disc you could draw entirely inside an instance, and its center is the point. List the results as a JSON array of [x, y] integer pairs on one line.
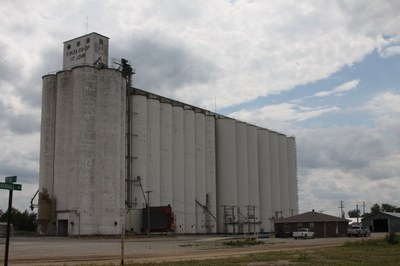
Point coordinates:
[[77, 55]]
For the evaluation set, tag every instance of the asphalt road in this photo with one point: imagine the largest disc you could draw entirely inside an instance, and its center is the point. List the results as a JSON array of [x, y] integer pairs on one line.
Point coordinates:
[[70, 251]]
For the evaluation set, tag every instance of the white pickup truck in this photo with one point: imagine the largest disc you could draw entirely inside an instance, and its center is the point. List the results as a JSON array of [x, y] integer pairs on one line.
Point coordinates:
[[358, 230], [303, 233]]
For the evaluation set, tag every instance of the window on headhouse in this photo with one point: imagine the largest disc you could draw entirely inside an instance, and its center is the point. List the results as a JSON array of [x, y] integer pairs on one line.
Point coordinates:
[[78, 43], [101, 41], [88, 40], [68, 46]]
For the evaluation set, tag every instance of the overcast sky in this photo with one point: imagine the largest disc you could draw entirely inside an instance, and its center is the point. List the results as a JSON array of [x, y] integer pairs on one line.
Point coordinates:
[[326, 72]]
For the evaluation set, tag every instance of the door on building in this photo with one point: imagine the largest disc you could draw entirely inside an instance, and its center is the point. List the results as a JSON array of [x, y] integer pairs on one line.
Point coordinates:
[[62, 227], [381, 225]]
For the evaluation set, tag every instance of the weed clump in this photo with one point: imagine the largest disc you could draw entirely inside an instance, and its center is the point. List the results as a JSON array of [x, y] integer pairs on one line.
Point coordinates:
[[247, 241], [392, 238]]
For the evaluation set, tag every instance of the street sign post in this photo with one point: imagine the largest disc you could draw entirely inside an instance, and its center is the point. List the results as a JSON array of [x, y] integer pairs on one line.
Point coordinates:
[[9, 184]]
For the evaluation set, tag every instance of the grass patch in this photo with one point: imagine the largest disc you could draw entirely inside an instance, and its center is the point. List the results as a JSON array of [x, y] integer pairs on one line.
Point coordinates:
[[243, 242], [363, 252]]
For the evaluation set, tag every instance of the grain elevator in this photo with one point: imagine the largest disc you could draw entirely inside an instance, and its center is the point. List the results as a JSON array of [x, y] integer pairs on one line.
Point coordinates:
[[114, 156]]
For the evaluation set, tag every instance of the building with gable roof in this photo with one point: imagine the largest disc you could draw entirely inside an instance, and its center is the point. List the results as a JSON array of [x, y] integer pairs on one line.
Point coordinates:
[[322, 224], [382, 222]]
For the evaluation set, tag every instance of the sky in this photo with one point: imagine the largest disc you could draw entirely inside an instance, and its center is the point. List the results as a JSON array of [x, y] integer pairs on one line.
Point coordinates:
[[326, 72]]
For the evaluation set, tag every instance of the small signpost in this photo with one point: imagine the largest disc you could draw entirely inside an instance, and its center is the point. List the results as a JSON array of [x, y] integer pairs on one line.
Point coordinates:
[[9, 184]]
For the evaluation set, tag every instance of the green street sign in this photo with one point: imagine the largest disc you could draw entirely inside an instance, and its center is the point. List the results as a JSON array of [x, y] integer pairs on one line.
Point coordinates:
[[10, 186], [11, 179]]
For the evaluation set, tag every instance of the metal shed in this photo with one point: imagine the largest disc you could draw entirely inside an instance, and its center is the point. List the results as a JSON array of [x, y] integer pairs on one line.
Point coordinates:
[[322, 224], [382, 222]]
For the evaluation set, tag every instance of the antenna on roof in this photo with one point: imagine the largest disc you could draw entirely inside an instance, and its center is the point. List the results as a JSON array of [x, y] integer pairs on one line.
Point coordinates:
[[87, 24]]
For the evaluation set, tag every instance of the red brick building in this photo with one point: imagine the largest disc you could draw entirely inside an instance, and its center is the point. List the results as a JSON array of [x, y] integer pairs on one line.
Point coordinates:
[[322, 224]]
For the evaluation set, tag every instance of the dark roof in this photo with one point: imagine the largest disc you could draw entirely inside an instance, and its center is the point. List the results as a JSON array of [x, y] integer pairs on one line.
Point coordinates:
[[394, 214], [311, 217]]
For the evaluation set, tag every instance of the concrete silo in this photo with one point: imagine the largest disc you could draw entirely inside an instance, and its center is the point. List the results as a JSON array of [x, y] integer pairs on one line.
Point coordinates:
[[242, 176], [211, 183], [200, 172], [178, 168], [292, 176], [226, 175], [253, 174], [283, 174], [166, 157], [153, 152], [190, 171], [87, 151], [265, 184], [275, 177]]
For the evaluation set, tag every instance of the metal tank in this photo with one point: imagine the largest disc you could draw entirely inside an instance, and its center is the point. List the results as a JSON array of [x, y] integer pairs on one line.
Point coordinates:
[[292, 176], [153, 152], [227, 176], [242, 176], [275, 178], [253, 176], [211, 189], [178, 170], [189, 170], [200, 172], [166, 191], [283, 174], [264, 166], [135, 199]]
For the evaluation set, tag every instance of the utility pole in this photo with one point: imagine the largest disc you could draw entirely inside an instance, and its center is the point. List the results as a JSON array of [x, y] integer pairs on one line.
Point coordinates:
[[363, 208], [357, 213], [341, 209]]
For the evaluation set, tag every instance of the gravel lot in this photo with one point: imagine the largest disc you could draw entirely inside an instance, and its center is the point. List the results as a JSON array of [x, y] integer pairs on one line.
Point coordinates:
[[70, 251]]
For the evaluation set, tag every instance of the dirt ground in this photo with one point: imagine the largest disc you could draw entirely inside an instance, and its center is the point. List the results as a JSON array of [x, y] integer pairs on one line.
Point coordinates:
[[70, 251]]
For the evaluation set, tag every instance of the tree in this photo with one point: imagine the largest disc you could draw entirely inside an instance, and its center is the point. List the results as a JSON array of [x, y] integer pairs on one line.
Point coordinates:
[[354, 213], [375, 208], [386, 207], [24, 221]]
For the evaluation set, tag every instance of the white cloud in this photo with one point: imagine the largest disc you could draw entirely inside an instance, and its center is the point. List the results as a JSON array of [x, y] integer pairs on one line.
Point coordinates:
[[350, 85], [390, 51], [350, 164], [385, 103], [281, 116]]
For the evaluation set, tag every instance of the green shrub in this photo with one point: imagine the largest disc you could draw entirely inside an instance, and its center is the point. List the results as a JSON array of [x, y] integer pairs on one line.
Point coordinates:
[[392, 238]]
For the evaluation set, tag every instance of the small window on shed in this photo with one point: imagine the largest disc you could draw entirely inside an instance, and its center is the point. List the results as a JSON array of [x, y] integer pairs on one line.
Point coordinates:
[[78, 43], [87, 40]]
